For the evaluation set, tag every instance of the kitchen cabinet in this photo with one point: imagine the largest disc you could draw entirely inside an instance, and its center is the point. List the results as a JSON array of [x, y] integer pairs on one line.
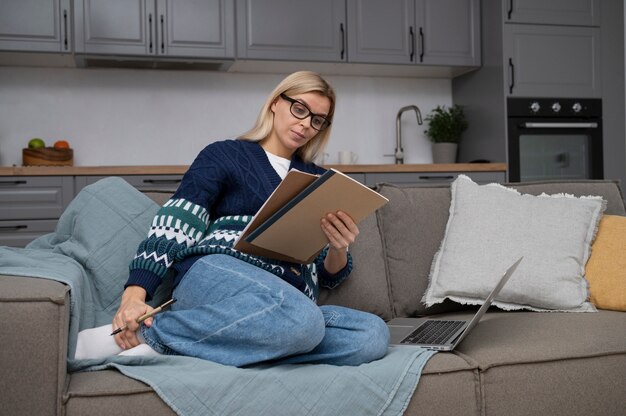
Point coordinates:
[[292, 30], [552, 61], [163, 28], [555, 12], [426, 178], [525, 56], [31, 206], [35, 26], [141, 182], [431, 32]]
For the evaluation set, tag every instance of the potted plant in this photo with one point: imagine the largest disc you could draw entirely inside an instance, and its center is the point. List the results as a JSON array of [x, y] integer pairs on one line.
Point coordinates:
[[445, 127]]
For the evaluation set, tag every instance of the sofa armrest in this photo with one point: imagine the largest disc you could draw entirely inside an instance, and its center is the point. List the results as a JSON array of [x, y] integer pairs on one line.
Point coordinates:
[[34, 329]]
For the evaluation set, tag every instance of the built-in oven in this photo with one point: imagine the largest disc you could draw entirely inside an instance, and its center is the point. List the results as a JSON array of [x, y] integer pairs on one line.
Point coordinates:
[[554, 138]]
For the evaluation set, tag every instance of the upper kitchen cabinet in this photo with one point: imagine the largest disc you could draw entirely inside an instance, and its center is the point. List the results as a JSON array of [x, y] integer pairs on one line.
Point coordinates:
[[381, 31], [448, 32], [167, 28], [35, 26], [431, 32], [552, 61], [293, 30], [556, 12]]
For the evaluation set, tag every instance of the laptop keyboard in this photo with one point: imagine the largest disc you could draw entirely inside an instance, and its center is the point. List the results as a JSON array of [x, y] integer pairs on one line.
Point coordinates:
[[433, 332]]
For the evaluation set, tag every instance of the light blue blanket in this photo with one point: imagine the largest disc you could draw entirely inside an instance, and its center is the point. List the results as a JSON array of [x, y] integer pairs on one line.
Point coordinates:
[[96, 238]]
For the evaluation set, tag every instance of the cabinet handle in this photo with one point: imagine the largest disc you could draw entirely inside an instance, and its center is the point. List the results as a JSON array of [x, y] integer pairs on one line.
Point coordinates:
[[434, 178], [412, 40], [150, 32], [65, 45], [13, 182], [162, 35], [12, 227], [343, 40], [161, 181], [421, 45], [511, 75], [510, 11]]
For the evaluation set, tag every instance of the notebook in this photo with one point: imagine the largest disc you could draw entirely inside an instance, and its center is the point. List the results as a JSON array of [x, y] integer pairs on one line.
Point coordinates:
[[287, 227], [439, 334]]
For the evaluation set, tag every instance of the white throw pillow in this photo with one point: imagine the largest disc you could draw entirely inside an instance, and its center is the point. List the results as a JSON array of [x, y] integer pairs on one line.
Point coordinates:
[[491, 226]]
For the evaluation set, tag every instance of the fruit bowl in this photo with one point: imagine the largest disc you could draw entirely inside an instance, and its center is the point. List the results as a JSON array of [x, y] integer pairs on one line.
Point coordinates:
[[47, 156]]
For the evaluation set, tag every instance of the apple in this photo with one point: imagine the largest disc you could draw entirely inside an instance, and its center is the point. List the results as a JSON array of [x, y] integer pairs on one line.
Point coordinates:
[[36, 143]]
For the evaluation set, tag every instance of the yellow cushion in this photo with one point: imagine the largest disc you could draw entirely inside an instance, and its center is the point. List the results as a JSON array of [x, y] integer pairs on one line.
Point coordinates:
[[606, 268]]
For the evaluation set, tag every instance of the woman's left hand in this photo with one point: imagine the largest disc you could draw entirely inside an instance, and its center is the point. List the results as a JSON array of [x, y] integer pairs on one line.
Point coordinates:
[[341, 231]]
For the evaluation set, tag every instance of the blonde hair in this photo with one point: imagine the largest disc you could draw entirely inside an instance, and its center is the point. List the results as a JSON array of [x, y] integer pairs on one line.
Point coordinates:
[[297, 83]]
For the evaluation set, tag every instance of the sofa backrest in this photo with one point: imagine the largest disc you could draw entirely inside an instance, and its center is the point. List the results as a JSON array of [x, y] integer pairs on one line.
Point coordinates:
[[395, 248], [406, 237]]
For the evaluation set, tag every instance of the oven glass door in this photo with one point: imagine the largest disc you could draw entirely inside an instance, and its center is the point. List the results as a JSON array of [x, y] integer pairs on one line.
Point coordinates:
[[553, 150], [554, 156]]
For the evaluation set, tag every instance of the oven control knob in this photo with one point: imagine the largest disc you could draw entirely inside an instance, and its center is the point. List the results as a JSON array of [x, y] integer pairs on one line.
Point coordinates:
[[556, 107], [577, 107], [535, 107]]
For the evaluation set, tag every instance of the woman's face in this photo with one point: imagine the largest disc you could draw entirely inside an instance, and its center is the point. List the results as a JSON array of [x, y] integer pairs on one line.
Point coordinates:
[[290, 133]]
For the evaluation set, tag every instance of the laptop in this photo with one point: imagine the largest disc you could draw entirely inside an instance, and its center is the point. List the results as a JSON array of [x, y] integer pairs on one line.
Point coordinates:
[[439, 334]]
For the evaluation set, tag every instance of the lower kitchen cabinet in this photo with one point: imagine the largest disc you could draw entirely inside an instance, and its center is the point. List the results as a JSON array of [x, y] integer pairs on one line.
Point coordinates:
[[426, 178], [31, 206], [141, 182]]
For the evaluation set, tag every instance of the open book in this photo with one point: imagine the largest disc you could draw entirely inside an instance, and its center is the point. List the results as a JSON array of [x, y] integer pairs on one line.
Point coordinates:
[[287, 227]]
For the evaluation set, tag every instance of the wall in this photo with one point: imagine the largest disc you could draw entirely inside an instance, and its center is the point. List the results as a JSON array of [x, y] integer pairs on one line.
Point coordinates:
[[154, 117]]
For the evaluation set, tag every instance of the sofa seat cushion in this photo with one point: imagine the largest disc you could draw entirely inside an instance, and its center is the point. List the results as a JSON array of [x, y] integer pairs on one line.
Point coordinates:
[[102, 392], [446, 372], [109, 392], [506, 338], [571, 364]]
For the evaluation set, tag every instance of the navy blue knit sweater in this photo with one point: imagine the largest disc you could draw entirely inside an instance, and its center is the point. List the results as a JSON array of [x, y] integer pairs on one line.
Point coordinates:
[[224, 187]]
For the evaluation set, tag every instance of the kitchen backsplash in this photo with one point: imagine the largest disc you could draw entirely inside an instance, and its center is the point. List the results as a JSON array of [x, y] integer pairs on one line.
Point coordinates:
[[155, 117]]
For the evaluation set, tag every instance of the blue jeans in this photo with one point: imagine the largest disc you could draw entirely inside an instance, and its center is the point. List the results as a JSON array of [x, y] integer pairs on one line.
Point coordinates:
[[234, 313]]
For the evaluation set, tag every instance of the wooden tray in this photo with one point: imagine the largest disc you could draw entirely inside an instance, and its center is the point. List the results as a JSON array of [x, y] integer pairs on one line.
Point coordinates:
[[47, 156]]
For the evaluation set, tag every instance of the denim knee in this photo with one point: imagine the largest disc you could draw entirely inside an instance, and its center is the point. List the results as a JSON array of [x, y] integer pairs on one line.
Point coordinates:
[[307, 327], [375, 340]]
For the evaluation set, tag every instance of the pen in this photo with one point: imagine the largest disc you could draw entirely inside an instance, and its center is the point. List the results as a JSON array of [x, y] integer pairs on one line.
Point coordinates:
[[146, 316]]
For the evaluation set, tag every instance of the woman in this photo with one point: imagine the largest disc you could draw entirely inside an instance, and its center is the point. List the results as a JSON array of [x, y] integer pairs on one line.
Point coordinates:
[[233, 308]]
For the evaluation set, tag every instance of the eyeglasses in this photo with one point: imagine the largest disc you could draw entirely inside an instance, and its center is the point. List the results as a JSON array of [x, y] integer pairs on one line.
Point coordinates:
[[301, 111]]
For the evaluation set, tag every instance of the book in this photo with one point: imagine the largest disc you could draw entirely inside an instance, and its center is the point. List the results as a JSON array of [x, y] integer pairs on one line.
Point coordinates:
[[287, 226]]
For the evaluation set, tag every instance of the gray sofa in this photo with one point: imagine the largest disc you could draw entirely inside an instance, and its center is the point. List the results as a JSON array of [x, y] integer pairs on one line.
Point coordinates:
[[513, 363]]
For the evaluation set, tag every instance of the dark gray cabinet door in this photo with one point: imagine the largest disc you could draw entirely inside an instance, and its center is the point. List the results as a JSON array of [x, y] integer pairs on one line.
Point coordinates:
[[188, 28], [448, 32], [295, 30], [124, 27], [431, 32], [380, 31], [552, 61], [35, 25], [557, 12], [196, 28]]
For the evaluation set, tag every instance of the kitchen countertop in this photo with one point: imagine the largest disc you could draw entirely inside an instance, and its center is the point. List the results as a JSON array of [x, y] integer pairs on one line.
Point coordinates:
[[181, 169]]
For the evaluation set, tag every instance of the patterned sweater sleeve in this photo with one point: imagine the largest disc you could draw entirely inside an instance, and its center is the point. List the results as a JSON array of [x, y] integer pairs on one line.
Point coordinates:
[[327, 279], [178, 225]]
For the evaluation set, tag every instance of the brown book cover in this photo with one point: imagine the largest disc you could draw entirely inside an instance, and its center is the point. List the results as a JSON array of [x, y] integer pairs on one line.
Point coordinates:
[[287, 227]]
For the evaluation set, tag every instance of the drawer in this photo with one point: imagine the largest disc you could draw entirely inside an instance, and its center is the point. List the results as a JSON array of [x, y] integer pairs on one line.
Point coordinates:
[[34, 197], [141, 182], [21, 232], [424, 178]]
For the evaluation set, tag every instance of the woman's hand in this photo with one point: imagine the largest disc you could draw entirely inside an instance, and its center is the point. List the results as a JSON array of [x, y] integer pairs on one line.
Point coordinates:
[[341, 231], [133, 305]]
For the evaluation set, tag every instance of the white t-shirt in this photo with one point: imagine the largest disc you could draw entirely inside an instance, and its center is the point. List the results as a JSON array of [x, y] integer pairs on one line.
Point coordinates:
[[280, 164]]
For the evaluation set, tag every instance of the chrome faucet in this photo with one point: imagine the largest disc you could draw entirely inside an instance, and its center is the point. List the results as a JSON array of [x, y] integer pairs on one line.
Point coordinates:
[[399, 153]]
